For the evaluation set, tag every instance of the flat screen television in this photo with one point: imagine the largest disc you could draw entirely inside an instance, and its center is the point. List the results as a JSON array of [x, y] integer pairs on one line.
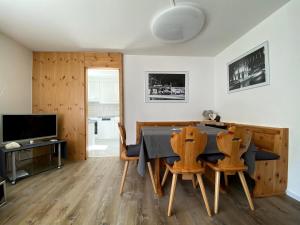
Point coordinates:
[[28, 127]]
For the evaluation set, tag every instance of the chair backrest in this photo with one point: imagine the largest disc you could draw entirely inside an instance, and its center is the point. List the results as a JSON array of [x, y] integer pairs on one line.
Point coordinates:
[[122, 136], [246, 137], [229, 145], [141, 124], [232, 129], [189, 143]]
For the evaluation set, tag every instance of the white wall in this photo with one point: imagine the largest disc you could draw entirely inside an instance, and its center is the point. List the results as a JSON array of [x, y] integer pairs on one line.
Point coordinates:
[[15, 77], [200, 89], [278, 103]]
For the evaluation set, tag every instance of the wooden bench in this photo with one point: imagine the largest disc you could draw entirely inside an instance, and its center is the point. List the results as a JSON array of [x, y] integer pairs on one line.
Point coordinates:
[[270, 176]]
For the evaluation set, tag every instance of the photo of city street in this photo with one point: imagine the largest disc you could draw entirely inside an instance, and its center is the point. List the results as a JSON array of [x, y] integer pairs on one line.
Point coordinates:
[[166, 87]]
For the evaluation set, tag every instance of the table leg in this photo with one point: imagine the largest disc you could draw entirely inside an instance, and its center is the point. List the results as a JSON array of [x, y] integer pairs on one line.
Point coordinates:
[[50, 157], [157, 177], [4, 191], [14, 169], [59, 156]]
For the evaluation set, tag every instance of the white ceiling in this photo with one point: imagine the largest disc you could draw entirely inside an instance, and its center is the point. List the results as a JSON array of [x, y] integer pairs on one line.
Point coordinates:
[[124, 25]]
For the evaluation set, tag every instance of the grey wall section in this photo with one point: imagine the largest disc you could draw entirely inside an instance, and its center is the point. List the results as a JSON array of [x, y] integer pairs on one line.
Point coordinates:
[[15, 78]]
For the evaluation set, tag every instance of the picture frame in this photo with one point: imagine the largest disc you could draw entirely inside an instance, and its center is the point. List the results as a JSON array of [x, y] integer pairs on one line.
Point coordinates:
[[250, 70], [166, 86]]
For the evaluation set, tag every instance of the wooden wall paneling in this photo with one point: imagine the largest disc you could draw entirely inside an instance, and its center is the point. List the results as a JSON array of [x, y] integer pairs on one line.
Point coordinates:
[[78, 83], [47, 79], [103, 60], [58, 87], [60, 107], [66, 101], [35, 82], [74, 103], [36, 68]]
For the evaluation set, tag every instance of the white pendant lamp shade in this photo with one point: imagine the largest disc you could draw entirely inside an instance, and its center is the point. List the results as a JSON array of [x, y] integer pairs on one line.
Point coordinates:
[[178, 24]]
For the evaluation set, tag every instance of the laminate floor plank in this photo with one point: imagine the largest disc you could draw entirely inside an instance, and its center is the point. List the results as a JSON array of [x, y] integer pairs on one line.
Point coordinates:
[[30, 198], [87, 193]]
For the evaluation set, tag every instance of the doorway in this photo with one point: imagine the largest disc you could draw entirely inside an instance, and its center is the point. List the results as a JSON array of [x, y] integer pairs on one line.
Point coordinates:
[[103, 112]]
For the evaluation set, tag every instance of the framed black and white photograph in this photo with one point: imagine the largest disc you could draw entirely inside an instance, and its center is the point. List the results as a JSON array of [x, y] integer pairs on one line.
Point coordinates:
[[250, 69], [166, 87]]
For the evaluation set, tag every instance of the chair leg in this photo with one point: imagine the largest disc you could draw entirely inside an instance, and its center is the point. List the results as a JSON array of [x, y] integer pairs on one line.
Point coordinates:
[[200, 181], [226, 179], [194, 182], [246, 190], [151, 176], [165, 176], [173, 187], [124, 176], [217, 190]]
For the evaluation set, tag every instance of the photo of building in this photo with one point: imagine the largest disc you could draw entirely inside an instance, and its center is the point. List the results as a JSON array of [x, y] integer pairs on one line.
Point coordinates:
[[250, 70]]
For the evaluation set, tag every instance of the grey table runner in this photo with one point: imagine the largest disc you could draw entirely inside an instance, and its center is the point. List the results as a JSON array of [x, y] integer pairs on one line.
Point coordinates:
[[155, 143]]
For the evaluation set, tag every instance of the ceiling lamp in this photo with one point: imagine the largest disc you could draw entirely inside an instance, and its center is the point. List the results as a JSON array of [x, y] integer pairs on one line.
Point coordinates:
[[178, 24]]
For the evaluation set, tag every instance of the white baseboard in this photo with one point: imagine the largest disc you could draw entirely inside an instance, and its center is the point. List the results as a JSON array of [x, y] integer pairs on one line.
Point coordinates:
[[293, 195]]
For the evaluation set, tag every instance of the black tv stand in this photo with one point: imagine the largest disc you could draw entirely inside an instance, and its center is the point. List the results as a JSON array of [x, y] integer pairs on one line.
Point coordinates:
[[37, 142], [59, 150]]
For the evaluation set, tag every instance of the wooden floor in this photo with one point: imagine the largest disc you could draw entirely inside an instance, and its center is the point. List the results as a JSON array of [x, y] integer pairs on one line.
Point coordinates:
[[87, 193]]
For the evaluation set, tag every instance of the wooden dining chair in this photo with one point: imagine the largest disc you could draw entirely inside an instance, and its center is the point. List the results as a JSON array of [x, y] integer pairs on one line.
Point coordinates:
[[232, 163], [246, 137], [188, 144], [130, 153]]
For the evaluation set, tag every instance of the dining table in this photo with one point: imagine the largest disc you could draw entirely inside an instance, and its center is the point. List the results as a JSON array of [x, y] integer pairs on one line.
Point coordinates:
[[155, 145]]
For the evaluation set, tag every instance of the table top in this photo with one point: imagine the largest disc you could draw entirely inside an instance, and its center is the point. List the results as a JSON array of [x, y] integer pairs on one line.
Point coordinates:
[[157, 140], [166, 130]]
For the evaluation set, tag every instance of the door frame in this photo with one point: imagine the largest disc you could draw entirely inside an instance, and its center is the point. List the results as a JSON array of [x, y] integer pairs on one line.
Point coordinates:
[[121, 98]]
